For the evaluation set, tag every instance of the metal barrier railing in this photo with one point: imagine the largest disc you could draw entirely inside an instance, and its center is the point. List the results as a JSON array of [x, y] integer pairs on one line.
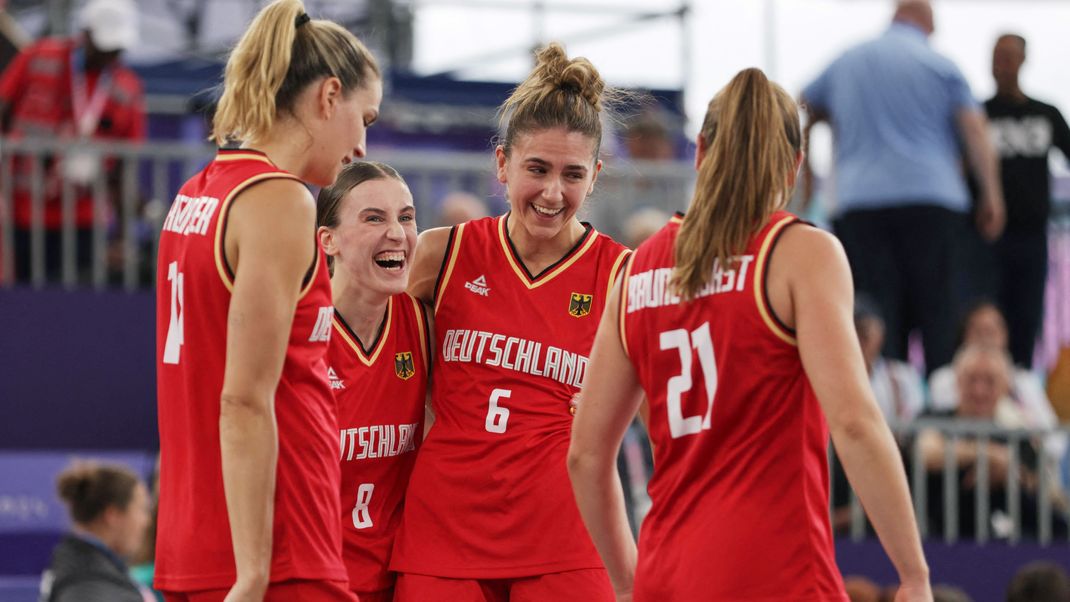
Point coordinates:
[[1029, 500], [134, 184]]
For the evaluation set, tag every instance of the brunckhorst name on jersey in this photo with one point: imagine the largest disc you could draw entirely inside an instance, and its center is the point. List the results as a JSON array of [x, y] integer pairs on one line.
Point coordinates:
[[377, 441], [514, 353], [190, 215], [651, 288]]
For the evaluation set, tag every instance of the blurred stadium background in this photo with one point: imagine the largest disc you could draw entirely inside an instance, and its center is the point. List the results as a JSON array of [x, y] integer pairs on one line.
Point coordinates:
[[76, 351]]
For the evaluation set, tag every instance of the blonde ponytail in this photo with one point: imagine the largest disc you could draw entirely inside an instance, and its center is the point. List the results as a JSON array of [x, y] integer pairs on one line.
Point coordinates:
[[280, 53], [752, 137]]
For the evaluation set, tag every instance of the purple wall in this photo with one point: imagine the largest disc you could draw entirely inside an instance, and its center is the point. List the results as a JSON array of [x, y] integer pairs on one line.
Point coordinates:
[[77, 370], [983, 572]]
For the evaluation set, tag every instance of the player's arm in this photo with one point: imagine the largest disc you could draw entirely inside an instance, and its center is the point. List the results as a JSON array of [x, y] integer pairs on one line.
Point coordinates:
[[984, 164], [821, 293], [270, 246], [611, 398], [426, 264]]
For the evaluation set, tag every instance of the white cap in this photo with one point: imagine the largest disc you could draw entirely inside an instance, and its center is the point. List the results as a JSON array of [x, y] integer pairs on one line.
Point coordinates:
[[112, 24]]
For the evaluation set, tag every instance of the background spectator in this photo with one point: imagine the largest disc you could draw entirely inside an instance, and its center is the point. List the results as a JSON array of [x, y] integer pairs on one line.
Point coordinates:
[[460, 207], [982, 375], [110, 511], [75, 89], [1024, 131], [1039, 582], [984, 326], [642, 224], [896, 385], [894, 102]]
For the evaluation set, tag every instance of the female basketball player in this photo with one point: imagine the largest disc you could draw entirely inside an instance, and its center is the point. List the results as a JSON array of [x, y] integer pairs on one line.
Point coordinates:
[[735, 321], [377, 361], [248, 432], [489, 513]]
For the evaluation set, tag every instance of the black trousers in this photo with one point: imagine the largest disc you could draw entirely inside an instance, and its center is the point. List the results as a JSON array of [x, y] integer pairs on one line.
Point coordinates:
[[53, 260], [909, 261], [1013, 273]]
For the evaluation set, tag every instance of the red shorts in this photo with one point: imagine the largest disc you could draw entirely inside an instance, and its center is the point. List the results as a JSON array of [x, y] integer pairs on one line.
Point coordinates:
[[587, 585], [284, 591]]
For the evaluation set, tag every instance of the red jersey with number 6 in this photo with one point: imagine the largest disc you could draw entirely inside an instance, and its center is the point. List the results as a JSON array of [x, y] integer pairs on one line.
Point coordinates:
[[490, 496], [740, 486], [194, 284], [380, 391]]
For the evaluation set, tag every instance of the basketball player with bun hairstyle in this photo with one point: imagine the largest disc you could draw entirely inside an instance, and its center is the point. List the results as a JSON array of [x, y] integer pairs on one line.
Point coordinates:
[[249, 474], [735, 321], [377, 361], [489, 514]]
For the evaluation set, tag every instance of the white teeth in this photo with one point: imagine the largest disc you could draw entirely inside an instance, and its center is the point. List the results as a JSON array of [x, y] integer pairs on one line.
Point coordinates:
[[390, 256], [546, 210]]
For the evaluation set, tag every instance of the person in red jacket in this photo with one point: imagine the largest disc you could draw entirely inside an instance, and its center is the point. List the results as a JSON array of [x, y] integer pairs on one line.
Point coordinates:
[[76, 89], [735, 322], [378, 362], [249, 475]]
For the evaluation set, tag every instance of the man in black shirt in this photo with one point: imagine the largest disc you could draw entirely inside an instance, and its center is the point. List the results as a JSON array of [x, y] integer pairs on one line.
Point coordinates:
[[1024, 131]]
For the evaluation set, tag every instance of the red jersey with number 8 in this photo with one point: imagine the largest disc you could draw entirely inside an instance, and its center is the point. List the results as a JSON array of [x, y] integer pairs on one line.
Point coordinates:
[[193, 287], [380, 392], [490, 495], [740, 486]]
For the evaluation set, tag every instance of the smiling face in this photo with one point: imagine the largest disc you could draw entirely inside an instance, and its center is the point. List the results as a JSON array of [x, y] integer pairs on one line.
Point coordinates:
[[375, 235], [343, 134], [548, 174]]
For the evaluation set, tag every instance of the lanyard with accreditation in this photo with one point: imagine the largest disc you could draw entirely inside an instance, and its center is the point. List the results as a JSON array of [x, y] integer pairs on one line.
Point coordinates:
[[82, 165]]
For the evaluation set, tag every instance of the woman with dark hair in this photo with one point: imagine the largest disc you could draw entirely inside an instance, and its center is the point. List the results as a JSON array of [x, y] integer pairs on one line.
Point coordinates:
[[378, 361], [735, 322], [110, 510]]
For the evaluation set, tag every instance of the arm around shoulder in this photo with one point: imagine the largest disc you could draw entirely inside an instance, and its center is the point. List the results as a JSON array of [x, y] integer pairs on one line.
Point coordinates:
[[427, 262]]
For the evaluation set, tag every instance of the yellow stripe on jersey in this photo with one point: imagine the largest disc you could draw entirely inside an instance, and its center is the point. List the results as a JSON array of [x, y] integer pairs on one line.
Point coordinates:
[[613, 273], [676, 219], [453, 251], [623, 306], [368, 361], [519, 271], [243, 157], [424, 341], [225, 207], [759, 283]]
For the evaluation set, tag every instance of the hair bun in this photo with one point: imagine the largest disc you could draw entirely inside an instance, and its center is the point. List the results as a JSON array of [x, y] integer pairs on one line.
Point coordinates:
[[73, 484], [578, 75]]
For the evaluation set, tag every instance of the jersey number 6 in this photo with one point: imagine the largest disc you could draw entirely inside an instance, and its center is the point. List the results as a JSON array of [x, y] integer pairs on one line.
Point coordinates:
[[497, 417], [700, 341]]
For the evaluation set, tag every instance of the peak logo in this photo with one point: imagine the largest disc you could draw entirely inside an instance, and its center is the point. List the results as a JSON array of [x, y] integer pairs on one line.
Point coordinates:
[[336, 383], [478, 286]]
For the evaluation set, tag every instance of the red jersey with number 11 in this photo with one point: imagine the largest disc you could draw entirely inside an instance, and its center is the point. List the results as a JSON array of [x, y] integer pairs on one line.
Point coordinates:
[[740, 485], [490, 495], [193, 288]]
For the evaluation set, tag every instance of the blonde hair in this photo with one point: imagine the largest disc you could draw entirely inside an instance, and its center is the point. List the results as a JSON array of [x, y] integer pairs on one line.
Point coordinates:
[[280, 53], [752, 137], [559, 92]]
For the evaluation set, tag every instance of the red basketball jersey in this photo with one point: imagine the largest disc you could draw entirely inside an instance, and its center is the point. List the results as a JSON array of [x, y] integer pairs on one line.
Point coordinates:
[[380, 393], [194, 285], [490, 495], [740, 486]]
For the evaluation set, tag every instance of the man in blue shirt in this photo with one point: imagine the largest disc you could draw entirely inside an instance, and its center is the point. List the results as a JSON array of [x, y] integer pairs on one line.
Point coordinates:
[[898, 111]]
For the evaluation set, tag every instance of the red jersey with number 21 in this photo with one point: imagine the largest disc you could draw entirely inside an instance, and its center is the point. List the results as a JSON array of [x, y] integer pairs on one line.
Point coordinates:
[[490, 495], [740, 486], [193, 288]]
